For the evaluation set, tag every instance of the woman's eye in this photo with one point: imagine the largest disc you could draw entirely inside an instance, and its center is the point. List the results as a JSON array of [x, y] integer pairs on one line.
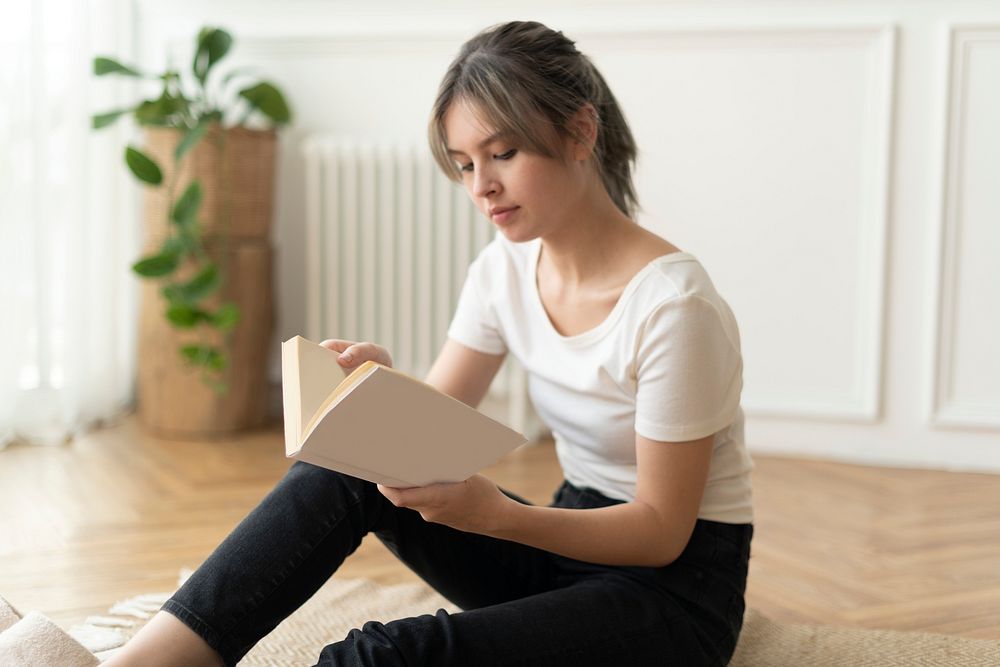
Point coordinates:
[[499, 156]]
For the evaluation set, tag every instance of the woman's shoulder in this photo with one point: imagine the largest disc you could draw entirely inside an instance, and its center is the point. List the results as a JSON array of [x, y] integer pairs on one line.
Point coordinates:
[[665, 270], [670, 272], [678, 292], [681, 274], [676, 288]]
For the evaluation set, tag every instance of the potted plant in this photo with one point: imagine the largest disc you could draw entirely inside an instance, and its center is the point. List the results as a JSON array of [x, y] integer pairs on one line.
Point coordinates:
[[206, 314]]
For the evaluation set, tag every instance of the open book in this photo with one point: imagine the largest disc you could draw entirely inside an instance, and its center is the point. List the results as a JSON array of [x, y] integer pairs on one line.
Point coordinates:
[[380, 424]]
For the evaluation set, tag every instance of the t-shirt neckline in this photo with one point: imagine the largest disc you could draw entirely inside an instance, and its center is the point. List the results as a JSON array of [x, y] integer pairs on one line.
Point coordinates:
[[597, 332]]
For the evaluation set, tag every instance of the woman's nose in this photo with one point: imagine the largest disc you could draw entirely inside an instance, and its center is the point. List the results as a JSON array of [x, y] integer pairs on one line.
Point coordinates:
[[484, 184]]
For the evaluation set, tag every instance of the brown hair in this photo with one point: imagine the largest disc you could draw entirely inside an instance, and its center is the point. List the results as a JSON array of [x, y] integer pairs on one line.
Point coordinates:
[[527, 81]]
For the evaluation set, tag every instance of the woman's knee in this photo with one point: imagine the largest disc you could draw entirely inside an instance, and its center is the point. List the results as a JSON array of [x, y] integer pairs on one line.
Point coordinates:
[[302, 474], [313, 487], [372, 644]]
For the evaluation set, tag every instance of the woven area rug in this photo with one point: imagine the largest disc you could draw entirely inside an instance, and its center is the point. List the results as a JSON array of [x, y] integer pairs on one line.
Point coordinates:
[[343, 604], [767, 642]]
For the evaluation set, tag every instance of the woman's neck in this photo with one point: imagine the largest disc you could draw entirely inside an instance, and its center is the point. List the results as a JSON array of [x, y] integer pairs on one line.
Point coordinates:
[[585, 247]]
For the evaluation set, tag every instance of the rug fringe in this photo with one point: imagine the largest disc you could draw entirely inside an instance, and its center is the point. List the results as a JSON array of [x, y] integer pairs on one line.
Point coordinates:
[[103, 635], [141, 606], [95, 638], [109, 622]]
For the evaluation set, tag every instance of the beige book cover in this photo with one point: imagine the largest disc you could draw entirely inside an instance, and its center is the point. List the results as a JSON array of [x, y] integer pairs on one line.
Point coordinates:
[[380, 424]]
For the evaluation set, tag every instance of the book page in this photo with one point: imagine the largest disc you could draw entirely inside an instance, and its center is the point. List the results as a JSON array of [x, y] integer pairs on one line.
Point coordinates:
[[291, 398], [348, 383], [388, 425], [309, 372]]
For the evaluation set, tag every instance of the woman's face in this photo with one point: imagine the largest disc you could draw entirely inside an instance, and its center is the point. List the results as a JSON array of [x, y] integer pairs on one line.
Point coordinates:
[[525, 195]]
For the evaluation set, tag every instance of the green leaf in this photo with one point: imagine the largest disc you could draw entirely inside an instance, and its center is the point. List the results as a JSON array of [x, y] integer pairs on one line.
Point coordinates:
[[269, 101], [191, 138], [104, 66], [142, 166], [104, 119], [226, 317], [174, 245], [217, 362], [203, 284], [187, 206], [204, 355], [160, 110], [173, 293], [185, 316], [213, 45], [187, 237], [155, 266]]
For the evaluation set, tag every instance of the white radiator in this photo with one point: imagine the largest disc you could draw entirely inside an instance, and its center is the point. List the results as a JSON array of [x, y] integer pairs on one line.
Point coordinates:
[[388, 242]]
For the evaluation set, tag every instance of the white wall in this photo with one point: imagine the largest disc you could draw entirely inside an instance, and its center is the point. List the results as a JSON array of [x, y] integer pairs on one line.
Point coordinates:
[[835, 165]]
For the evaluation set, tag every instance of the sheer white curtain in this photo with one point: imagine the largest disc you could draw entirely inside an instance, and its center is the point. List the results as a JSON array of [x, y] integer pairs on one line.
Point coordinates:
[[67, 228]]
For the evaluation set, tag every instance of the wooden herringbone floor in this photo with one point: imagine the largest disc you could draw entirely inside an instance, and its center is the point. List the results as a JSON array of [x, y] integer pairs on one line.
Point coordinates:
[[118, 513]]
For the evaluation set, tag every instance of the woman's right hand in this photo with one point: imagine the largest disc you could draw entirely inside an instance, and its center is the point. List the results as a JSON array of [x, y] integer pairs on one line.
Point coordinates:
[[354, 354]]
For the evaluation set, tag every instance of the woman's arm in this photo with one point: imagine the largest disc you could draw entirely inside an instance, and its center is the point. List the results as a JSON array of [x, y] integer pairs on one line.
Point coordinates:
[[650, 531], [463, 373]]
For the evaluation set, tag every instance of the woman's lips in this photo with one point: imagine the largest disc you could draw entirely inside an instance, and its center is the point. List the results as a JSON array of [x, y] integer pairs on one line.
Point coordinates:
[[501, 215]]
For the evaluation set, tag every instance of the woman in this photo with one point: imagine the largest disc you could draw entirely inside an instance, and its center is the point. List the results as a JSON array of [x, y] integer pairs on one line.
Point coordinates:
[[635, 364]]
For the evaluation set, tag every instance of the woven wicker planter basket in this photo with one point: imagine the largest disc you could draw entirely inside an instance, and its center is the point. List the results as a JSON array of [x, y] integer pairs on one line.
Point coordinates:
[[173, 401]]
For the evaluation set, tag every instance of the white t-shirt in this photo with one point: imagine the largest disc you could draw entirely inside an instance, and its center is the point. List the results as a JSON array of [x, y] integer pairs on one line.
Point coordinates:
[[665, 364]]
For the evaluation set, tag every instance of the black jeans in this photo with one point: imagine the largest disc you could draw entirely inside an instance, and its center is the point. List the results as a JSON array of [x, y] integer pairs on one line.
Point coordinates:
[[522, 606]]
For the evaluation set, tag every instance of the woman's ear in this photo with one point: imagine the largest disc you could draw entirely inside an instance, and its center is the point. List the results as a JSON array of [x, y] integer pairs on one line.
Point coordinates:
[[583, 128]]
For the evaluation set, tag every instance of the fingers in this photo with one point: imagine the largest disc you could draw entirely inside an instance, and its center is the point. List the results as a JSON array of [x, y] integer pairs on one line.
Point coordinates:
[[354, 354], [336, 344], [361, 352], [392, 494], [398, 497], [413, 496]]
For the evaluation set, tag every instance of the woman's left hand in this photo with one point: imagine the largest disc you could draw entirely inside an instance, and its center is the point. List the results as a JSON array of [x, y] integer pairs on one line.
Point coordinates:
[[475, 505]]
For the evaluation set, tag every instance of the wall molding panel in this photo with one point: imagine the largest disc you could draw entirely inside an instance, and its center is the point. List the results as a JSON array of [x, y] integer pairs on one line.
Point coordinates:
[[958, 234]]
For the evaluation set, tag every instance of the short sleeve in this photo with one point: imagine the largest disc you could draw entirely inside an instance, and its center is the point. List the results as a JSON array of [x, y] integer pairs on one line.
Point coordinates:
[[474, 323], [689, 371]]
